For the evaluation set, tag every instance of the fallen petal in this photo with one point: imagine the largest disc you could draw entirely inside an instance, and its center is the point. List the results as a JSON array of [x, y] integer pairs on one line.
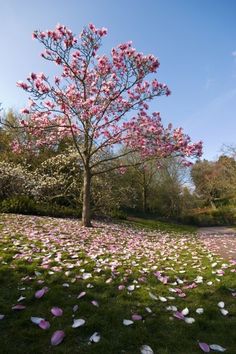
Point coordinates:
[[189, 320], [131, 287], [95, 337], [75, 308], [145, 349], [221, 304], [82, 294], [136, 317], [95, 303], [224, 312], [57, 337], [152, 296], [204, 346], [121, 287], [171, 308], [57, 311], [86, 276], [18, 307], [65, 285], [148, 309], [179, 315], [36, 320], [21, 298], [44, 324], [78, 323], [39, 293], [185, 311], [127, 322], [2, 317], [200, 310], [162, 299], [217, 348]]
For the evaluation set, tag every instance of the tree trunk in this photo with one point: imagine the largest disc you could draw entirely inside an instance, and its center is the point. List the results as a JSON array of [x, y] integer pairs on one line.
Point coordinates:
[[144, 199], [144, 192], [86, 217]]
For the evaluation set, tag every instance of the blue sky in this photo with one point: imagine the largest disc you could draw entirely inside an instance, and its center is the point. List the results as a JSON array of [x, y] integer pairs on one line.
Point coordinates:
[[195, 41]]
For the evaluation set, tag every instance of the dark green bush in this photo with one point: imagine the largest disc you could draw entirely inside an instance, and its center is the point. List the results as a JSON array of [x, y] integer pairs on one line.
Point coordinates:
[[222, 216], [18, 205], [25, 205], [118, 214], [58, 211]]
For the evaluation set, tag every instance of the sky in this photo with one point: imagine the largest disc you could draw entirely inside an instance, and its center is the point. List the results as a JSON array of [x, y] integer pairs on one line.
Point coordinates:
[[194, 40]]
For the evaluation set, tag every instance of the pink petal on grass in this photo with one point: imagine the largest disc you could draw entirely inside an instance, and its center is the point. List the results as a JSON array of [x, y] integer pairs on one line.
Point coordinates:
[[44, 324], [82, 294], [39, 293], [2, 317], [121, 287], [136, 317], [56, 311], [57, 337], [18, 307], [204, 346], [179, 315], [95, 303]]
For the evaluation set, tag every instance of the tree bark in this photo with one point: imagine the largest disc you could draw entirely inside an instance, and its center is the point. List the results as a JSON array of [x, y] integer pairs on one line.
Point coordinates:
[[86, 216], [144, 192], [144, 199]]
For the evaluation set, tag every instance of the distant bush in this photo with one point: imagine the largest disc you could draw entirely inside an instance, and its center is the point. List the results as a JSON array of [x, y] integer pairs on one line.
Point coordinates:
[[15, 180], [58, 211], [118, 214], [222, 216], [27, 206], [18, 205]]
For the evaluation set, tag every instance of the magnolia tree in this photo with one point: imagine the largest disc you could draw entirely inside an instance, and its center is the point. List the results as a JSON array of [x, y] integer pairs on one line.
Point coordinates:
[[100, 101]]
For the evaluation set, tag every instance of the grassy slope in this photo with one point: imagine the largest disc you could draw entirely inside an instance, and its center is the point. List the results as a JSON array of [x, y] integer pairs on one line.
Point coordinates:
[[160, 225], [158, 329]]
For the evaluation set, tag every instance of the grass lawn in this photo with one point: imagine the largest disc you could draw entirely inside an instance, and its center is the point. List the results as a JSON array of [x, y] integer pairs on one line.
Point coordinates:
[[143, 272]]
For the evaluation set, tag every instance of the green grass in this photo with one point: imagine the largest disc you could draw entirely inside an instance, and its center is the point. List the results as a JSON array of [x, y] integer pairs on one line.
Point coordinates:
[[160, 225], [182, 257]]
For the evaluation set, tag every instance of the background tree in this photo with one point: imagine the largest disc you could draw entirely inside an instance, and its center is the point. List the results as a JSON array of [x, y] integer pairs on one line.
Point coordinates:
[[59, 179], [90, 100], [142, 176], [172, 178], [229, 150], [215, 181]]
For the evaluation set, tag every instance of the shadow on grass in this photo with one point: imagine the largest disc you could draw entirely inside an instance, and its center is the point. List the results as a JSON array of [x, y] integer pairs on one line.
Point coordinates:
[[157, 329]]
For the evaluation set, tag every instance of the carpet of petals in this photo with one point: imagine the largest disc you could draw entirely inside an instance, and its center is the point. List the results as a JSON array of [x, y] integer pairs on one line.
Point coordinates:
[[106, 289]]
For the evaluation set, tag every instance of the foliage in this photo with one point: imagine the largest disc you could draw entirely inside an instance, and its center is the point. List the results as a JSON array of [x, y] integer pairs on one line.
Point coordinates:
[[118, 214], [15, 180], [27, 206], [221, 216], [19, 205], [59, 179], [58, 211], [110, 194], [215, 181]]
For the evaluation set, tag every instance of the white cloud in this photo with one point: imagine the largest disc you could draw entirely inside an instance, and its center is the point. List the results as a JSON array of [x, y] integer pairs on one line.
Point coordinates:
[[234, 53]]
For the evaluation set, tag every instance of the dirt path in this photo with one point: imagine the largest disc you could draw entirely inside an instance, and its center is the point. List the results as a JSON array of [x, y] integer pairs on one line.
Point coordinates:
[[219, 240]]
